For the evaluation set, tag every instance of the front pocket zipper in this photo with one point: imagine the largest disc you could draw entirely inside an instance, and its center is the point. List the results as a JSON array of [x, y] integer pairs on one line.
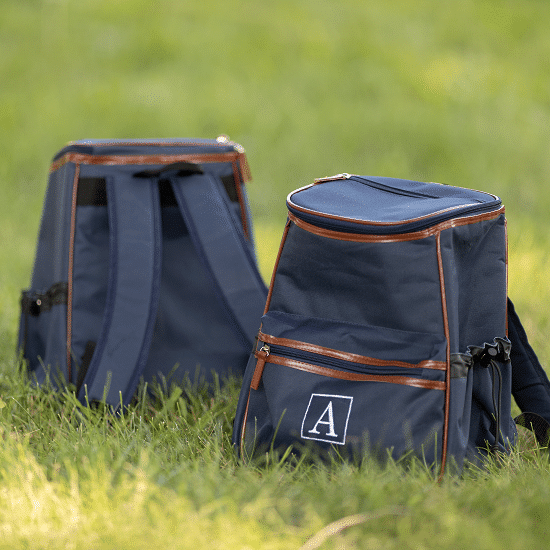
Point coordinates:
[[341, 365]]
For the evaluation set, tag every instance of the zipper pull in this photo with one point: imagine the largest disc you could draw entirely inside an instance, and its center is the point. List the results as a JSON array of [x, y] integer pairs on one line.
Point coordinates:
[[342, 176], [261, 355], [224, 140]]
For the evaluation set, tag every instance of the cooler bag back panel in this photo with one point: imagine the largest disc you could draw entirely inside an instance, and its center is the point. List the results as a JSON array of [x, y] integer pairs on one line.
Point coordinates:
[[118, 265], [365, 325]]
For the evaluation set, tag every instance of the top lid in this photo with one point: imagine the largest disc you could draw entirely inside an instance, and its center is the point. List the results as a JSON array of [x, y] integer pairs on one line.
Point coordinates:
[[374, 205]]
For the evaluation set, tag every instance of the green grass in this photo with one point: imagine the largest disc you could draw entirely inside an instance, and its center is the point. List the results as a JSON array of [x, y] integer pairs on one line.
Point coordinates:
[[455, 92]]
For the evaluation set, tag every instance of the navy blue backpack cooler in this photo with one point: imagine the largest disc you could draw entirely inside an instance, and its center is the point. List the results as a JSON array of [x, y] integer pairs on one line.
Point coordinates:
[[387, 328], [145, 267]]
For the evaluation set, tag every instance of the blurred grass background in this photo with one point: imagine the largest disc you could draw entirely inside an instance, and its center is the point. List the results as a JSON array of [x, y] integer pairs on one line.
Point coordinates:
[[455, 92], [449, 91]]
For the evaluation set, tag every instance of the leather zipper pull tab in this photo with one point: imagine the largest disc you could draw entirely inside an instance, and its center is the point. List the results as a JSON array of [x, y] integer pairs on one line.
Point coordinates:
[[261, 355]]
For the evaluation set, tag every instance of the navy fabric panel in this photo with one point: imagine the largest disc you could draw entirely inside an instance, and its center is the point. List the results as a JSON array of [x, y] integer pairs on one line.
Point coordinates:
[[222, 247], [384, 200], [52, 252], [530, 385], [459, 418], [46, 334], [381, 415], [132, 294], [191, 336], [394, 285], [474, 263]]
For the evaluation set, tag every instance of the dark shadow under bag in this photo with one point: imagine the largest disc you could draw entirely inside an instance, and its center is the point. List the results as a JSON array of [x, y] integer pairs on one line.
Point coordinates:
[[387, 328]]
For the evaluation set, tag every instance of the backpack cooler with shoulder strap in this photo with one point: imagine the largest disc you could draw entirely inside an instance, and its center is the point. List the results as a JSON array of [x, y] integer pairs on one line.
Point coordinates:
[[145, 267], [387, 328]]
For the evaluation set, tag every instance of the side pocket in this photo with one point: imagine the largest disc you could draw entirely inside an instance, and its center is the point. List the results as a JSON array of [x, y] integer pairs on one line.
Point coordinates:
[[460, 406], [41, 327], [491, 426]]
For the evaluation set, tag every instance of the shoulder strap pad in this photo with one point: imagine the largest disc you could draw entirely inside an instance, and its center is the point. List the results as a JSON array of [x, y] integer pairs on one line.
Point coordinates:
[[530, 385], [220, 243], [132, 293]]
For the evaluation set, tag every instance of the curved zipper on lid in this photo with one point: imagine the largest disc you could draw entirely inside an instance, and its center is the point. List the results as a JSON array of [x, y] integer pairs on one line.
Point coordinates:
[[392, 190]]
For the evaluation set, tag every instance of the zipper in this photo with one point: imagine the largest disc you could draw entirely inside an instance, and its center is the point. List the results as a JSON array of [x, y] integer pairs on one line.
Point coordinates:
[[340, 364], [261, 355], [337, 368], [392, 190]]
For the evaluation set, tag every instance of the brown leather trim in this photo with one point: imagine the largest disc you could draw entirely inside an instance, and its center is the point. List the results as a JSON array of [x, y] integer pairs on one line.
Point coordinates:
[[270, 292], [261, 357], [243, 166], [351, 357], [402, 237], [237, 178], [84, 158], [367, 222], [354, 376], [70, 273], [448, 338]]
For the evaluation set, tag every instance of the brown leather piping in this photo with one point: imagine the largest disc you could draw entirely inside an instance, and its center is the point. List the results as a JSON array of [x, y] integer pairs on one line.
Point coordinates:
[[350, 357], [370, 222], [237, 178], [354, 376], [402, 237], [448, 338], [70, 272], [270, 292], [85, 158]]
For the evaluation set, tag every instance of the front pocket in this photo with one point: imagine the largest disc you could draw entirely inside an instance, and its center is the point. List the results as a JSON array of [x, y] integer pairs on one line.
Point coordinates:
[[362, 388]]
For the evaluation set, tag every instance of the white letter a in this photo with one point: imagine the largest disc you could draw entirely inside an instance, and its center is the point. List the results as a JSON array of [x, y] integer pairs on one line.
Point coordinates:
[[330, 422]]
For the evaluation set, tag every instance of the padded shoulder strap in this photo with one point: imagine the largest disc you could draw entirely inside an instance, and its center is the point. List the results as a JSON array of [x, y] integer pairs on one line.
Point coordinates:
[[133, 290], [226, 256], [530, 385]]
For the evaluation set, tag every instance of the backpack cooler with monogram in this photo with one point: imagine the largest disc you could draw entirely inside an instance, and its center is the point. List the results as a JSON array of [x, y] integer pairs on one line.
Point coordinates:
[[387, 328]]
